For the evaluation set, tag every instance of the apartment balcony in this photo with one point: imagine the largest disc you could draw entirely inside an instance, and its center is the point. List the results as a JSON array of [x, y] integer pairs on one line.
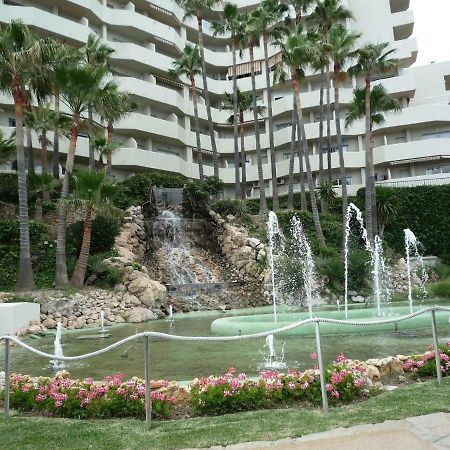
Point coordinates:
[[424, 180], [403, 24]]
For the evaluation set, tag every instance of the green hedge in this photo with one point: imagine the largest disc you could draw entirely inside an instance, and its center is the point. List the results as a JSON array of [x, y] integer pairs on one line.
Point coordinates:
[[423, 209], [135, 190]]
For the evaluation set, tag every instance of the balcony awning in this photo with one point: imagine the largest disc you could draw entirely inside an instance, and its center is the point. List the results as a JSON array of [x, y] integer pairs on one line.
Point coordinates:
[[416, 160]]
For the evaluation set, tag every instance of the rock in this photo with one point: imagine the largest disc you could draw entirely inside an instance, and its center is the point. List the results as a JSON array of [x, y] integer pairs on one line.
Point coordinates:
[[352, 294], [358, 299], [253, 242], [120, 288], [140, 314], [80, 322], [49, 323], [401, 378], [34, 329]]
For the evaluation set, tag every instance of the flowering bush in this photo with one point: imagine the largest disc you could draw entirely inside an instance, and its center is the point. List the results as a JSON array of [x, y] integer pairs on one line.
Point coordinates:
[[233, 392], [425, 365], [64, 397]]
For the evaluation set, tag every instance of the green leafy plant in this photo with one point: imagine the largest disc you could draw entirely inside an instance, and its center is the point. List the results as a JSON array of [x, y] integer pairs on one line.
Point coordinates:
[[197, 195]]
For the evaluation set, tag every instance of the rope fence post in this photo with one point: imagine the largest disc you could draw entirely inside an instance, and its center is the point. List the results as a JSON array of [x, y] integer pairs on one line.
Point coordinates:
[[148, 401], [321, 368], [6, 390], [436, 347]]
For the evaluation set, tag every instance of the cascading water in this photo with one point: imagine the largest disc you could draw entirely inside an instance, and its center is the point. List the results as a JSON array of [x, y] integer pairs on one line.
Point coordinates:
[[379, 269], [57, 364], [412, 247], [276, 246], [271, 361], [304, 254]]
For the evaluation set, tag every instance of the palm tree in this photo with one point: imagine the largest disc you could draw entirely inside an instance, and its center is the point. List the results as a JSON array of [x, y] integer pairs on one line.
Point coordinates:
[[252, 33], [296, 55], [386, 208], [112, 107], [20, 59], [340, 49], [79, 88], [43, 184], [268, 15], [7, 146], [93, 194], [95, 54], [326, 191], [232, 22], [197, 8], [42, 120], [189, 65], [372, 58], [104, 148], [244, 104], [326, 14]]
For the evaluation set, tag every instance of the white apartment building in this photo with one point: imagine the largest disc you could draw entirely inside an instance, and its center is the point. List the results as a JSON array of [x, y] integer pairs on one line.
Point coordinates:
[[147, 35]]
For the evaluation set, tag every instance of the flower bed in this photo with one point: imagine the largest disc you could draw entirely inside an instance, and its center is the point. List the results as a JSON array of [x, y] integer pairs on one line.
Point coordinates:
[[425, 365], [64, 397], [235, 392]]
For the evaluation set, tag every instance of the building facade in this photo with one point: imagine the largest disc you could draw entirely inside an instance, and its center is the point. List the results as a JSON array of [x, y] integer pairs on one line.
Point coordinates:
[[411, 147]]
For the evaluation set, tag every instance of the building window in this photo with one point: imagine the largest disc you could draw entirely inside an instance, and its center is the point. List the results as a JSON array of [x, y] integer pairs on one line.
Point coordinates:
[[281, 126], [335, 148], [11, 122], [337, 181], [438, 170], [447, 82], [436, 135], [288, 155]]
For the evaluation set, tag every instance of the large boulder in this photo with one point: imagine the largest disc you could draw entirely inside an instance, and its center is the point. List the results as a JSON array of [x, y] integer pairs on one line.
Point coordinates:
[[140, 314]]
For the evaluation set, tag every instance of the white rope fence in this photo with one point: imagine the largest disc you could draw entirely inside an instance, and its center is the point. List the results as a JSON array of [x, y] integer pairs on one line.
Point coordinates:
[[170, 337]]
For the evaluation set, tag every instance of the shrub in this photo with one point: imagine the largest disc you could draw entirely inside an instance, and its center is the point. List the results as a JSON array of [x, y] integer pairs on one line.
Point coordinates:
[[232, 392], [63, 397], [440, 290], [104, 232], [197, 195], [106, 276], [135, 190], [237, 208], [425, 365], [8, 188]]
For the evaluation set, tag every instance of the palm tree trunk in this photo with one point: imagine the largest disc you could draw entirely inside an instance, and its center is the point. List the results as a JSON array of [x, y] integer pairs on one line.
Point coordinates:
[[337, 106], [30, 150], [328, 83], [368, 195], [373, 191], [38, 210], [55, 155], [206, 95], [197, 130], [80, 269], [25, 281], [273, 164], [323, 205], [61, 278], [91, 145], [312, 192], [300, 139], [44, 162], [237, 187], [243, 157], [292, 159], [262, 190], [108, 171]]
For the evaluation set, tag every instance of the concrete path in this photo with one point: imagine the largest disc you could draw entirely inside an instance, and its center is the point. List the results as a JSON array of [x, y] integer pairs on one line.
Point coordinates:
[[415, 433]]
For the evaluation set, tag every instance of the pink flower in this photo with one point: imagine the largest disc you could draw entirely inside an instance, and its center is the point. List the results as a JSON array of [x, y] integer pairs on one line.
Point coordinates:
[[232, 370], [314, 356], [58, 403], [359, 382], [227, 393], [25, 388], [305, 385], [335, 394], [341, 358], [329, 387], [291, 385]]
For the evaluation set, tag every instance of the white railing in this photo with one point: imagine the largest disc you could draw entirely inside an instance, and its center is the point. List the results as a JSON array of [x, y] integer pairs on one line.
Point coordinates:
[[169, 337]]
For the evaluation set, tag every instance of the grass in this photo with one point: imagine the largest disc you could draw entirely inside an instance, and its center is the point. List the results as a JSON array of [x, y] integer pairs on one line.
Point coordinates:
[[30, 433]]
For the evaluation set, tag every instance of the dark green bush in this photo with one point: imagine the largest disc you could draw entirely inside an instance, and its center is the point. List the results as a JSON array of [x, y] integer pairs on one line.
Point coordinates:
[[8, 188], [135, 190], [237, 208], [440, 290], [197, 195], [106, 276], [104, 231]]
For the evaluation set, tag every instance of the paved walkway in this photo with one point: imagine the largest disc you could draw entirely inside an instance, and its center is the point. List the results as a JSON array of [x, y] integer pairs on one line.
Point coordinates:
[[415, 433]]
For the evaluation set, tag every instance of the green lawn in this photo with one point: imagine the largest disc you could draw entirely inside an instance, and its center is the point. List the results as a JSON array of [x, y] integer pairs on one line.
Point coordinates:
[[45, 434]]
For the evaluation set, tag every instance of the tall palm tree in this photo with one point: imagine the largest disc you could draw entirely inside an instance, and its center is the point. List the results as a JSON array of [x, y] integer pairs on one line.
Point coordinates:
[[7, 146], [326, 14], [232, 22], [197, 8], [20, 59], [79, 88], [296, 54], [43, 184], [244, 104], [266, 16], [340, 48], [189, 65], [96, 54], [93, 194], [252, 34], [112, 107], [372, 59]]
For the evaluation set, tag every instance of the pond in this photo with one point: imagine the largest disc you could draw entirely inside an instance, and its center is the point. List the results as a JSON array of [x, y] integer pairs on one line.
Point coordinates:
[[188, 360]]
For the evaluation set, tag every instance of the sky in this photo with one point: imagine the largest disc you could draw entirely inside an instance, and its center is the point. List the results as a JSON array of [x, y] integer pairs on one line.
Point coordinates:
[[432, 30]]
